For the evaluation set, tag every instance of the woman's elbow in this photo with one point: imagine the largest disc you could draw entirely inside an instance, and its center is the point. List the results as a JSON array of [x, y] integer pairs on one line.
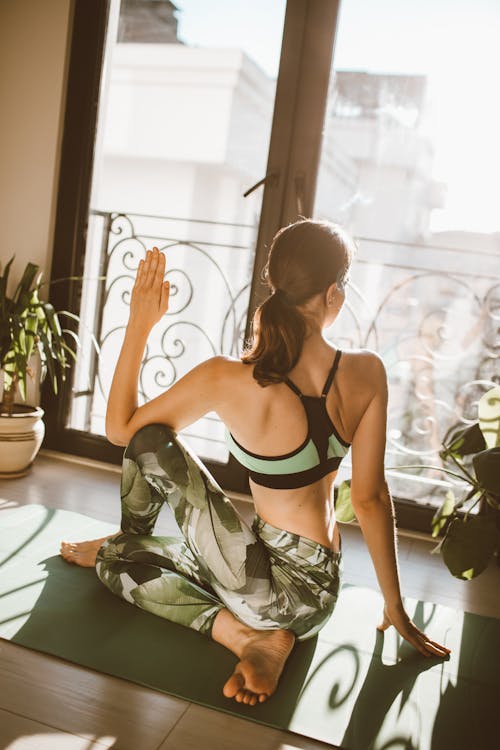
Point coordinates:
[[116, 437], [116, 440], [366, 498]]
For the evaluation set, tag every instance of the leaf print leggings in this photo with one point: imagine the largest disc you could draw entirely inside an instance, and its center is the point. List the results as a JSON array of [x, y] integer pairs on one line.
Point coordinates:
[[268, 578]]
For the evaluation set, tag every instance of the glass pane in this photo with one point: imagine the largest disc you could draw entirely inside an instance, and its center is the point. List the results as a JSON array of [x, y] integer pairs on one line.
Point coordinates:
[[410, 165], [184, 127]]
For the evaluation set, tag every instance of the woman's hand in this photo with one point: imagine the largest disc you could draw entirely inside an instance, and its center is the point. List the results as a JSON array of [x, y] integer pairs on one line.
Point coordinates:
[[149, 301], [397, 616]]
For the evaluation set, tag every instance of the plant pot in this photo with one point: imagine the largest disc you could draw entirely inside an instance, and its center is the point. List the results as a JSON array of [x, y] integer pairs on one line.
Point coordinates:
[[21, 436]]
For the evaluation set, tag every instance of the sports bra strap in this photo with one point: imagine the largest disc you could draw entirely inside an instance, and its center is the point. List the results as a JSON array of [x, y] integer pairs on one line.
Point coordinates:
[[331, 374], [293, 387], [328, 383]]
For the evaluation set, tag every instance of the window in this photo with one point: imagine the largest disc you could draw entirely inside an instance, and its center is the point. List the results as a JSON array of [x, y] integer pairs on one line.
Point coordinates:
[[409, 164], [398, 146]]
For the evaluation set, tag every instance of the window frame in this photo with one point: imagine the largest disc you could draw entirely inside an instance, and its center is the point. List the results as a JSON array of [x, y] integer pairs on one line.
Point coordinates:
[[309, 32]]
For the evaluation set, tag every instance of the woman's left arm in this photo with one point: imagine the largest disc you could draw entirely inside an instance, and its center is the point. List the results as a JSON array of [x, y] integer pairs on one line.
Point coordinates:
[[374, 509], [187, 400]]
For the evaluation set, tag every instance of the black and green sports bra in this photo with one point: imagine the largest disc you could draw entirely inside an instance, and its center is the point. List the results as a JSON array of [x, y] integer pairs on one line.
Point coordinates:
[[320, 453]]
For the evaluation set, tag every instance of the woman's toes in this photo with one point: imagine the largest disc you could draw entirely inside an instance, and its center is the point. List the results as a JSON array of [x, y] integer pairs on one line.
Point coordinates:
[[234, 685], [246, 697], [263, 697], [68, 554]]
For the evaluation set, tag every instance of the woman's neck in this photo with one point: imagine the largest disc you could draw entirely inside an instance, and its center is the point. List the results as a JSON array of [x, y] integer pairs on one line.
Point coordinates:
[[314, 344]]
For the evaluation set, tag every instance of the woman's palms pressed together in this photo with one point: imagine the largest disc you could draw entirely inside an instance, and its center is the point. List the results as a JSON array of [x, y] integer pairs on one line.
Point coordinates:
[[150, 294]]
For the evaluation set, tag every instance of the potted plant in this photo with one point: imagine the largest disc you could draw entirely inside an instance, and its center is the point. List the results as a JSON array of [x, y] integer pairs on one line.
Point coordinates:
[[472, 455], [27, 325]]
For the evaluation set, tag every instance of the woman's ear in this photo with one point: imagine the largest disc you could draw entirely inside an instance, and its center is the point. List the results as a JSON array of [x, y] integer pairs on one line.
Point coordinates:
[[331, 293]]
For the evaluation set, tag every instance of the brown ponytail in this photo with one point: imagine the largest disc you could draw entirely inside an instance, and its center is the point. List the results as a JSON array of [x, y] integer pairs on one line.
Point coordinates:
[[304, 260]]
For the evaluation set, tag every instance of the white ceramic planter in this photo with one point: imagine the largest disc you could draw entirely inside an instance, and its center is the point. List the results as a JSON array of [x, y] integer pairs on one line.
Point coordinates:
[[21, 436]]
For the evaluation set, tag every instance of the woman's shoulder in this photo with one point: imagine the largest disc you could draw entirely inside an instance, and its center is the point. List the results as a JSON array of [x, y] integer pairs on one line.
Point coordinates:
[[364, 357], [232, 385], [225, 363], [364, 365], [223, 368]]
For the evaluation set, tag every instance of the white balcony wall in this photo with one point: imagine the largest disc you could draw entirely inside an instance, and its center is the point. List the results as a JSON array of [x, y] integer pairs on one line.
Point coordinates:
[[186, 132], [170, 102], [251, 117], [393, 192], [187, 104]]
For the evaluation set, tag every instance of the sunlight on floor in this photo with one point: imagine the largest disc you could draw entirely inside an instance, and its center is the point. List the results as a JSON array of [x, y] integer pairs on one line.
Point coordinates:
[[4, 504], [58, 741]]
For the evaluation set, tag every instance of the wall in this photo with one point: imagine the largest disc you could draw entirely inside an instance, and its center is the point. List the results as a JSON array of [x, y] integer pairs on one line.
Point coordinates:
[[33, 53], [33, 49]]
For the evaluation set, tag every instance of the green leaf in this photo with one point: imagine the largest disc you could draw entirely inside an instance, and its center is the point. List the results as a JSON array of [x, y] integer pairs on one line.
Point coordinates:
[[493, 500], [464, 441], [3, 286], [22, 384], [9, 360], [70, 351], [26, 281], [49, 359], [468, 546], [73, 336], [40, 313], [7, 380], [52, 319], [442, 515], [69, 314], [487, 467], [31, 327], [93, 338], [489, 416], [5, 275], [344, 512], [22, 340], [20, 370], [437, 549]]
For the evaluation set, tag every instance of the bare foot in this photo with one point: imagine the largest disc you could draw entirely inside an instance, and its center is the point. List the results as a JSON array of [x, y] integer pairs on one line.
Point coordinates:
[[83, 553], [262, 654]]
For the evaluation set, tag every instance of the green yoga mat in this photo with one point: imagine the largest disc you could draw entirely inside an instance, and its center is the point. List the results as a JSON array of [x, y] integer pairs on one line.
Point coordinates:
[[352, 686]]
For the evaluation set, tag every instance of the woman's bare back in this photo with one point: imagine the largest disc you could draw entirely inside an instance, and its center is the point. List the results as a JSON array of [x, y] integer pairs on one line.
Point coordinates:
[[271, 422]]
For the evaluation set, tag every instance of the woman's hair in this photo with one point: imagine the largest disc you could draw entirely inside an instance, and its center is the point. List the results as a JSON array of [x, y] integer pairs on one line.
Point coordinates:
[[305, 258]]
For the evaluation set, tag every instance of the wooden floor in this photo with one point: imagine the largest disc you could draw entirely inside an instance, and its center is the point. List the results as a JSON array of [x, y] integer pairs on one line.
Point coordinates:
[[47, 703]]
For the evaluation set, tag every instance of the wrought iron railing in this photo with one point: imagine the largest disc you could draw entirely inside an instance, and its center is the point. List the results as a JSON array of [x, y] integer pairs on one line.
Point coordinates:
[[431, 312], [209, 266]]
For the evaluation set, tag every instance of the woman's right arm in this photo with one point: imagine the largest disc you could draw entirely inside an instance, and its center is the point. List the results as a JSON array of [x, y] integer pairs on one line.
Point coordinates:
[[374, 509]]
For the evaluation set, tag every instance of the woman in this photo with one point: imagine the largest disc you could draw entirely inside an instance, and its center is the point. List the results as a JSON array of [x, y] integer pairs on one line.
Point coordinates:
[[254, 590]]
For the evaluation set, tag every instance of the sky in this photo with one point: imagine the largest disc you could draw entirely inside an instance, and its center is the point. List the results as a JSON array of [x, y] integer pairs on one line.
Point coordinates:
[[453, 42]]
